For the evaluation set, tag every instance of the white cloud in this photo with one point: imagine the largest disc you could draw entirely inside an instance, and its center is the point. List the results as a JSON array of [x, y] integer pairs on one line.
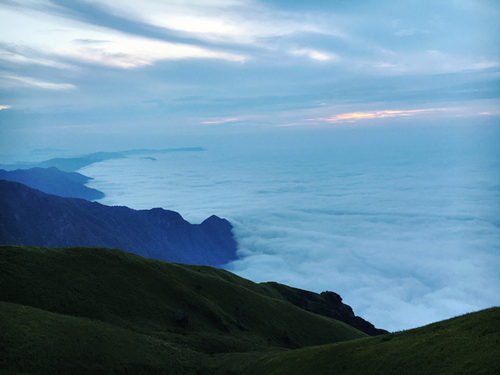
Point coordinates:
[[11, 80], [403, 240], [24, 58], [62, 37], [313, 54], [222, 21], [220, 121], [4, 106]]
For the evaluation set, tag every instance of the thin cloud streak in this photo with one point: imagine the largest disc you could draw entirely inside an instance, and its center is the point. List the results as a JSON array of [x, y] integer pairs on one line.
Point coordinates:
[[222, 121], [16, 80], [4, 106], [354, 116], [18, 57], [351, 117]]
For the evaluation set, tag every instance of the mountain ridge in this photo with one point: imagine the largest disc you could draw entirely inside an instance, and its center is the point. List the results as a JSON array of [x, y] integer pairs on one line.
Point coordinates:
[[54, 181], [31, 217]]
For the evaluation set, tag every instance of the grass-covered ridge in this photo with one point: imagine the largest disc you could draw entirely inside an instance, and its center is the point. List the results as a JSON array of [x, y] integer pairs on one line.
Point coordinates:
[[94, 310], [469, 344], [190, 308]]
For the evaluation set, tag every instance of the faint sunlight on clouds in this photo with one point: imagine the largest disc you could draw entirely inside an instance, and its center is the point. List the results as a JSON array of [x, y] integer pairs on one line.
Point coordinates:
[[353, 116], [132, 52], [244, 22], [221, 121], [313, 54], [62, 37]]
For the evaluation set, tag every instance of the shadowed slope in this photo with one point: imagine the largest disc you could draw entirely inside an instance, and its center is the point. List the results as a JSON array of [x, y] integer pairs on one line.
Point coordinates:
[[37, 341], [205, 308], [327, 304], [469, 344]]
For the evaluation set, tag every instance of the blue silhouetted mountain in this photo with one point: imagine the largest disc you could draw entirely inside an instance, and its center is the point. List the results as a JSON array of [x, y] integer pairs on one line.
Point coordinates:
[[31, 217], [76, 163], [72, 164], [53, 181]]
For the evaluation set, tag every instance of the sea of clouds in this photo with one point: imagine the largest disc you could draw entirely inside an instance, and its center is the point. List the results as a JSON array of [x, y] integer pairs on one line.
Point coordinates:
[[404, 223]]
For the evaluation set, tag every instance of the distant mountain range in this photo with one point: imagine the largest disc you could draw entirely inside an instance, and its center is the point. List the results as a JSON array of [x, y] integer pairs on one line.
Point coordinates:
[[72, 164], [31, 217], [53, 181]]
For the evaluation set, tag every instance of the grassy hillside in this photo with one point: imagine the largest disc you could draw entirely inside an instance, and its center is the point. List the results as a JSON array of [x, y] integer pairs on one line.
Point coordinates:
[[38, 341], [93, 310], [196, 308], [469, 344]]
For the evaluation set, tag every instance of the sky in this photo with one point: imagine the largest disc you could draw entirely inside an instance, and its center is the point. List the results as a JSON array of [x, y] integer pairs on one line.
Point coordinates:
[[107, 74]]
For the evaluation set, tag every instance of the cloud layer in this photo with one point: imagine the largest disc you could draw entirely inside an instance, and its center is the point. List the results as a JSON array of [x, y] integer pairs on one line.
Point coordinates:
[[406, 239]]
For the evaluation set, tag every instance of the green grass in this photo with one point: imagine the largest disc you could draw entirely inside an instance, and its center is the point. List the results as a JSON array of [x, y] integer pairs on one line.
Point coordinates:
[[469, 344], [38, 341], [91, 310], [97, 288]]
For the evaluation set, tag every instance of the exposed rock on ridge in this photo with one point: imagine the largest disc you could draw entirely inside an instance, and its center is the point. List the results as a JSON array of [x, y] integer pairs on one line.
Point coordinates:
[[328, 304]]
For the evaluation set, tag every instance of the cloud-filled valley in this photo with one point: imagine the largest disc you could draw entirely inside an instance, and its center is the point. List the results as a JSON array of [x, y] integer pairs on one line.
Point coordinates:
[[405, 240]]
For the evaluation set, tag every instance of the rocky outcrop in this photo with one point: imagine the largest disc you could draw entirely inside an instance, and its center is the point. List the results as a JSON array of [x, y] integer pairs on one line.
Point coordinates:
[[326, 303]]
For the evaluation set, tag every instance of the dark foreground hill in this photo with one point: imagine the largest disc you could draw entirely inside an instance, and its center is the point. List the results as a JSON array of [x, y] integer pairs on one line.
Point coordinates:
[[30, 217], [53, 181], [91, 310], [469, 344], [79, 310]]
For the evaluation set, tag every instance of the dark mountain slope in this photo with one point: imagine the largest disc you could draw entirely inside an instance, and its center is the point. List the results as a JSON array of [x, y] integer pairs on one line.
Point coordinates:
[[198, 307], [53, 181], [35, 341], [30, 217], [88, 310], [469, 344]]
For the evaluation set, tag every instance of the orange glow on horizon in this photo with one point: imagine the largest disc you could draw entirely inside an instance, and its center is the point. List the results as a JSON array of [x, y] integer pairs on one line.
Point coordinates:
[[352, 116]]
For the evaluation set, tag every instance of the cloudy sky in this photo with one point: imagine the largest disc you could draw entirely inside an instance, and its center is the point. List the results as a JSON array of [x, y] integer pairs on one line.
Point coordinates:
[[143, 71]]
